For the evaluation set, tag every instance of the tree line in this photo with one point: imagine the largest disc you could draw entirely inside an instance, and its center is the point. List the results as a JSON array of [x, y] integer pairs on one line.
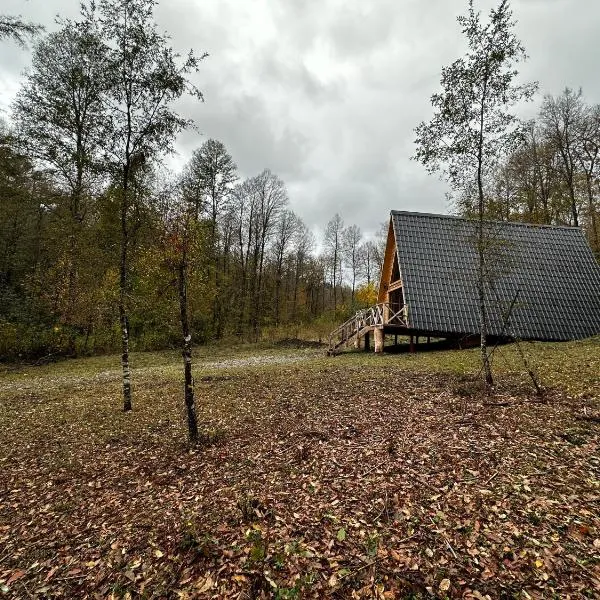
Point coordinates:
[[252, 265], [552, 174]]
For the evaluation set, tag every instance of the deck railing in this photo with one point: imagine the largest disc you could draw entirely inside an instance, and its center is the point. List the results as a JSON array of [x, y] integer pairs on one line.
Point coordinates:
[[381, 314]]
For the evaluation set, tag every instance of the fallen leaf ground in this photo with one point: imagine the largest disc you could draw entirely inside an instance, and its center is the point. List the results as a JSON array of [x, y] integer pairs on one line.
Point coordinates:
[[358, 476]]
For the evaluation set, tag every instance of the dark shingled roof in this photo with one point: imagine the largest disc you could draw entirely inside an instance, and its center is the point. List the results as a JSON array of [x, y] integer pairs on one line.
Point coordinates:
[[550, 270]]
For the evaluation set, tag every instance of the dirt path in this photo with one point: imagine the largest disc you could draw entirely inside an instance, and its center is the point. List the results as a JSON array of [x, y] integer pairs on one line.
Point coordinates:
[[28, 382]]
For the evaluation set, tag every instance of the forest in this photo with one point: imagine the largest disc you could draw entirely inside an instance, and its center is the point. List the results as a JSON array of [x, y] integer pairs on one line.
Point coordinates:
[[254, 269]]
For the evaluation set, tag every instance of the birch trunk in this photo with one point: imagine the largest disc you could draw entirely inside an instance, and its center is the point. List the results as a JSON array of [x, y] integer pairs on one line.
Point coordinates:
[[187, 351], [481, 250], [123, 318]]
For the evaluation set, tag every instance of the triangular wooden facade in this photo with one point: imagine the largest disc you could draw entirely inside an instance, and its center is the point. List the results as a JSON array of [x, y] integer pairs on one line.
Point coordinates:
[[390, 285]]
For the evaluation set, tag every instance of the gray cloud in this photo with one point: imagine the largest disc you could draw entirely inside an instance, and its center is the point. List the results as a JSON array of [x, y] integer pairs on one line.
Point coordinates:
[[326, 93]]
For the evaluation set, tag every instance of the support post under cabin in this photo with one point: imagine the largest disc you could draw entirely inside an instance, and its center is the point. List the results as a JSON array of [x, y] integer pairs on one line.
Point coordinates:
[[379, 337]]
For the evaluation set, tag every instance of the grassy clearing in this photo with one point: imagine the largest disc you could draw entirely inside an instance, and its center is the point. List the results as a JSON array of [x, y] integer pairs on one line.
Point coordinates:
[[356, 476], [574, 366]]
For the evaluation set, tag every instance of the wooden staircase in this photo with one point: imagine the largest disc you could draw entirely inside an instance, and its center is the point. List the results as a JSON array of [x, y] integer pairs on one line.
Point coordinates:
[[364, 321]]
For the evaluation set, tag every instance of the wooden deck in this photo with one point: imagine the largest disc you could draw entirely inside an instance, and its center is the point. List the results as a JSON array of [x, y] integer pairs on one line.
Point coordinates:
[[386, 317]]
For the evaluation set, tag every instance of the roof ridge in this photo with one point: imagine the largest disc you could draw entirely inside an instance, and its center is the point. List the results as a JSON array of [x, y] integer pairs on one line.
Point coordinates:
[[495, 221]]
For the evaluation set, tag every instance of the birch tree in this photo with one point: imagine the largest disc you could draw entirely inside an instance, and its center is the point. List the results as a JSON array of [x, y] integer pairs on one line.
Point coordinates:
[[182, 242], [370, 261], [333, 248], [351, 240], [146, 77], [473, 126]]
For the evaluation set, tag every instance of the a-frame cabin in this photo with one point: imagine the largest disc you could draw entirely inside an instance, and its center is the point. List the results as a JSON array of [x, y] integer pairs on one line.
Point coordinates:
[[543, 283]]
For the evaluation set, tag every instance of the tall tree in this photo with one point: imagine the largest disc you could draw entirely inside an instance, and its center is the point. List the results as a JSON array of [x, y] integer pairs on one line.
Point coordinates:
[[270, 200], [145, 78], [351, 240], [588, 156], [58, 113], [186, 351], [552, 177], [473, 127], [21, 216], [287, 226], [303, 245], [564, 121], [210, 175], [333, 247], [371, 263], [179, 246], [208, 180]]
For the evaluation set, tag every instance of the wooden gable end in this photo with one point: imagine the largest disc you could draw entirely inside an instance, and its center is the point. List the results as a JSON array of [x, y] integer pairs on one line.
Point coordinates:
[[390, 264]]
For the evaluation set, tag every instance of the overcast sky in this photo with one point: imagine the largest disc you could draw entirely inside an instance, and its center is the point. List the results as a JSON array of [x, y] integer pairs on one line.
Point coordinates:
[[326, 93]]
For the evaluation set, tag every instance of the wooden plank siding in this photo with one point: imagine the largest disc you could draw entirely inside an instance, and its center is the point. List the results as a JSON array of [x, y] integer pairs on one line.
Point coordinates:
[[388, 266]]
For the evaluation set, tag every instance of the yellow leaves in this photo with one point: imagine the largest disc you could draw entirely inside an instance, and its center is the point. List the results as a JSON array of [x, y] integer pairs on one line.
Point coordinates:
[[444, 585], [158, 553], [539, 563], [366, 294]]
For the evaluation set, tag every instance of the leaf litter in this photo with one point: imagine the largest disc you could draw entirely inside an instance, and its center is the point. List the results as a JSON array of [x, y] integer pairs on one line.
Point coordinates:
[[314, 480]]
